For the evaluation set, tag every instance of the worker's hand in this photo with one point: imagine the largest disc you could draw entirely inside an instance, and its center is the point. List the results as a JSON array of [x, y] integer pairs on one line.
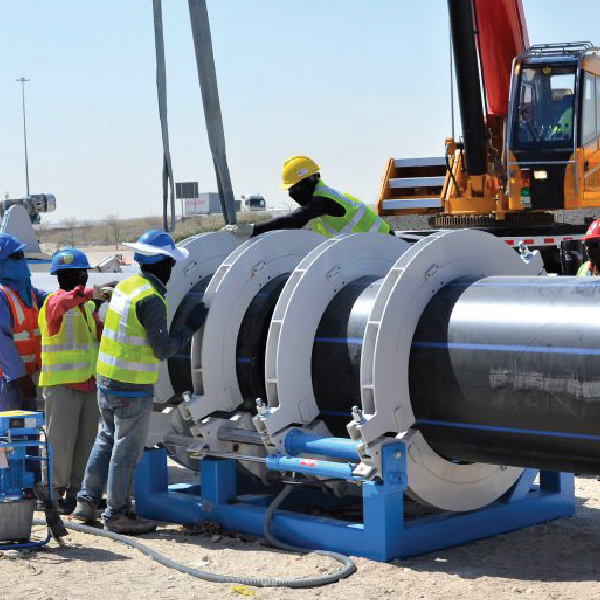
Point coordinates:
[[25, 387], [102, 292], [243, 230], [196, 318]]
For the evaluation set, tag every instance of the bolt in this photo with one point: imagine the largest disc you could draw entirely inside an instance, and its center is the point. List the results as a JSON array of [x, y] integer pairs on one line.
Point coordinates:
[[357, 415], [261, 408]]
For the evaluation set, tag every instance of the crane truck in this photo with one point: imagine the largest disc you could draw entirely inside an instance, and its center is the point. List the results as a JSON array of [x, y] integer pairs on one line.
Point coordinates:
[[531, 132]]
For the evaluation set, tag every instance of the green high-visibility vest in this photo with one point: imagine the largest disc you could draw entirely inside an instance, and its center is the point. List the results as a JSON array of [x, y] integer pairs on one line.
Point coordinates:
[[125, 353], [70, 355], [584, 269], [358, 218]]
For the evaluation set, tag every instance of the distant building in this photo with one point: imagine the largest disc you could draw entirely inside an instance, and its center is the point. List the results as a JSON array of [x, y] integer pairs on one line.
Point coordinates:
[[205, 203]]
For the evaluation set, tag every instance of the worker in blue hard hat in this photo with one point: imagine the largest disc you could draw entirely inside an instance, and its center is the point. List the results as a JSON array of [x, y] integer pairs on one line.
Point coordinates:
[[20, 341], [135, 340], [71, 330]]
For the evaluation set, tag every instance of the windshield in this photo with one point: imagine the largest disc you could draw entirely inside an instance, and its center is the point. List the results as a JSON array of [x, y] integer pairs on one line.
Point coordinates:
[[545, 107]]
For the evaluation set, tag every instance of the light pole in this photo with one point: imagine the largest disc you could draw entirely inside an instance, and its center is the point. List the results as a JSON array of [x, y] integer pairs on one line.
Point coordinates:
[[23, 80]]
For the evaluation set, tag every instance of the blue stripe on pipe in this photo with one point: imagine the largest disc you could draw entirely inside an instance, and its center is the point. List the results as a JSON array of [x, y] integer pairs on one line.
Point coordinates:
[[242, 359], [579, 436], [508, 348], [336, 413], [332, 340], [558, 284]]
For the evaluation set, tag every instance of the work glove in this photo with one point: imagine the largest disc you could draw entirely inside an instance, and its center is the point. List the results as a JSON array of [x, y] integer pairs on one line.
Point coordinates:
[[25, 387], [196, 318], [243, 230], [103, 291]]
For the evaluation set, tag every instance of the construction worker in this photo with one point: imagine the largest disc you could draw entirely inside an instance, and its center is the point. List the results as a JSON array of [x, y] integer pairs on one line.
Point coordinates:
[[564, 127], [591, 242], [330, 212], [134, 341], [71, 331], [20, 340]]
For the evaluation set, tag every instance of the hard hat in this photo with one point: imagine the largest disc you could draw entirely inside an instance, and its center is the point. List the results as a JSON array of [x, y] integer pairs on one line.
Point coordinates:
[[9, 244], [68, 258], [593, 231], [295, 169], [154, 246]]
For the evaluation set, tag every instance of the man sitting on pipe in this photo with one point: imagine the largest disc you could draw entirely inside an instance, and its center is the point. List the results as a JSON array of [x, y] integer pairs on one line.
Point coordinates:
[[330, 212]]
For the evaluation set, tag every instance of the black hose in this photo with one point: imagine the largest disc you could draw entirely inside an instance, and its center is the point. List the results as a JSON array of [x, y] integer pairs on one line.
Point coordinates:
[[349, 567], [206, 575]]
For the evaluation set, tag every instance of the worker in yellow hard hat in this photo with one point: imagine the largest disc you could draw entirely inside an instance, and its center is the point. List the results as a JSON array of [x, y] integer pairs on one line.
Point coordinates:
[[330, 212]]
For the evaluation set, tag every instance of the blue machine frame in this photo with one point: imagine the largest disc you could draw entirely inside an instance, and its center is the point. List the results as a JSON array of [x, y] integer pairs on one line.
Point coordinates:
[[15, 429], [384, 533]]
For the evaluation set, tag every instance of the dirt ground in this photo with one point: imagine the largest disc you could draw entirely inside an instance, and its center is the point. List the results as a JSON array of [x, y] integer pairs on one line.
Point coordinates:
[[557, 560]]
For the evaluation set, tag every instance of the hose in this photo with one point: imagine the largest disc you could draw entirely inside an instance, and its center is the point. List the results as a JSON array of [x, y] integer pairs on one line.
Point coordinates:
[[295, 582]]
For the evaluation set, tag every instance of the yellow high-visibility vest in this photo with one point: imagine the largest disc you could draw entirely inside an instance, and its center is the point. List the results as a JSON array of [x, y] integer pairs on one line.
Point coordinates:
[[125, 353], [358, 218], [584, 269], [70, 355]]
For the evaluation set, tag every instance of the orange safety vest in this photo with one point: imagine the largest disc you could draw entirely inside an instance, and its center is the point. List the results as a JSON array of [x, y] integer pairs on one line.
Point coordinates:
[[26, 335]]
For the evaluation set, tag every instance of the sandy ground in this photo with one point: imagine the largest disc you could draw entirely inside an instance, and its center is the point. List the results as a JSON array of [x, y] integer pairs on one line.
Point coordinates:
[[554, 560]]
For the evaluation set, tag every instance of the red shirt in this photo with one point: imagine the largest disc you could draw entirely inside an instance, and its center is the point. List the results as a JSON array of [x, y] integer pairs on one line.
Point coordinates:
[[56, 306]]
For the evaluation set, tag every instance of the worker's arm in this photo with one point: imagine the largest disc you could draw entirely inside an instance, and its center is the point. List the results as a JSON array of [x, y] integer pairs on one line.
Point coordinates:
[[152, 314], [40, 296], [58, 304], [11, 363], [317, 207]]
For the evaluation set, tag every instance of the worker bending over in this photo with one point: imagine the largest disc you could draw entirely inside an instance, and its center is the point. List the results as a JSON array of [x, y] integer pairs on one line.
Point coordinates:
[[20, 341], [330, 212], [134, 341], [591, 242], [71, 331]]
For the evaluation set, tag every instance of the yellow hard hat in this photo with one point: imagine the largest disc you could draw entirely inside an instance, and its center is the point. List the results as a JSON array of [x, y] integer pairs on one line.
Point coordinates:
[[297, 168]]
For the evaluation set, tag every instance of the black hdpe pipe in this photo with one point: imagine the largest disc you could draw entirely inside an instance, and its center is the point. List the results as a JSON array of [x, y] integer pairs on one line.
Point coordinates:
[[503, 370], [506, 370]]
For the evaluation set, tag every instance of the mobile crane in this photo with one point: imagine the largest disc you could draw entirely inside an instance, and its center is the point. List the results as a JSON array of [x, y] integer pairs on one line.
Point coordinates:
[[533, 150]]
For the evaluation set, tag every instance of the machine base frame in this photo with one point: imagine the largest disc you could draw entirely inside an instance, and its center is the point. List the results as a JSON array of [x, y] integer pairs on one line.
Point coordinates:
[[384, 534]]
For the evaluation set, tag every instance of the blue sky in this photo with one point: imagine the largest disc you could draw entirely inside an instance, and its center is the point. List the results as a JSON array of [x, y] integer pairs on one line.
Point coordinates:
[[348, 82]]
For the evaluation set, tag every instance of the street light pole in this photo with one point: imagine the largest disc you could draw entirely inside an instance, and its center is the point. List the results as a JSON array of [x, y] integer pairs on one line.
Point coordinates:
[[23, 80]]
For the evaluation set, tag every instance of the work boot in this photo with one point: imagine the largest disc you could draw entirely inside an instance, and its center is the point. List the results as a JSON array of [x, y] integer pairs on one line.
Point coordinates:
[[67, 505], [84, 513], [130, 523]]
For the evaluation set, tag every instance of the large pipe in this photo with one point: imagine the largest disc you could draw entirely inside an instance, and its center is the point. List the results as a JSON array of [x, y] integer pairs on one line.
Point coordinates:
[[506, 370], [503, 370]]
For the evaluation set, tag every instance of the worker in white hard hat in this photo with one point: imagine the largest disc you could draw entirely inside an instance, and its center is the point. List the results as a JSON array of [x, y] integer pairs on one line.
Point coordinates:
[[330, 212], [134, 341]]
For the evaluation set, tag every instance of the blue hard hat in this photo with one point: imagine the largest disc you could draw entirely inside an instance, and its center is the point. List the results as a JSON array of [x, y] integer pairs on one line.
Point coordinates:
[[154, 246], [69, 258], [9, 244]]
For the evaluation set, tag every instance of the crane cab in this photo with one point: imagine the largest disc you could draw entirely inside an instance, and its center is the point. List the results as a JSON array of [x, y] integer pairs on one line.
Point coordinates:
[[553, 141]]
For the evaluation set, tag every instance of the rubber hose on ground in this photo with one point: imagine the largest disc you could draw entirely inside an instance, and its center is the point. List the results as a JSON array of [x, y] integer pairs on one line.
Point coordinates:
[[206, 575], [349, 566]]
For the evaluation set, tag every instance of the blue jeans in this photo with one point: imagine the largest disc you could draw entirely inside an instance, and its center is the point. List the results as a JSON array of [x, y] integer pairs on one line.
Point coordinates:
[[124, 423]]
